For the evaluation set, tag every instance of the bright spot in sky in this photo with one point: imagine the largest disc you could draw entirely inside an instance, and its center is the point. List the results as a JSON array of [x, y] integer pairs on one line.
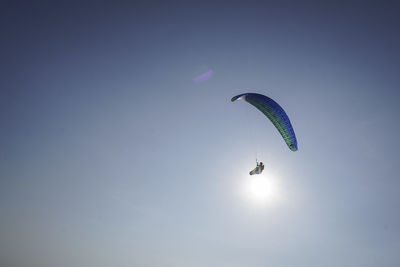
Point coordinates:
[[204, 77], [261, 189]]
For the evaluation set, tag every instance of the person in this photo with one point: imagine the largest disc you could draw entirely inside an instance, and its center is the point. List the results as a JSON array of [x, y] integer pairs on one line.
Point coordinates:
[[258, 169], [261, 167]]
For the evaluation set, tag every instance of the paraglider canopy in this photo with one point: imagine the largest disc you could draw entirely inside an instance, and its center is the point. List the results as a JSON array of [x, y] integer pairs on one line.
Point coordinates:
[[275, 113]]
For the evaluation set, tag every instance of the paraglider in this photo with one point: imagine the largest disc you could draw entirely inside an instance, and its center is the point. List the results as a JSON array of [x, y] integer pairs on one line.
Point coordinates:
[[275, 113], [258, 169]]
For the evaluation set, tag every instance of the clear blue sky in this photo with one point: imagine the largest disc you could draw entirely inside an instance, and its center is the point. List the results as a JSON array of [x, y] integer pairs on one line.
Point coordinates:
[[111, 155]]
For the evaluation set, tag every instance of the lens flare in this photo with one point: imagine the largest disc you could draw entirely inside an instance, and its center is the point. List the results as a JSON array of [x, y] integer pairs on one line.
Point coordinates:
[[203, 77]]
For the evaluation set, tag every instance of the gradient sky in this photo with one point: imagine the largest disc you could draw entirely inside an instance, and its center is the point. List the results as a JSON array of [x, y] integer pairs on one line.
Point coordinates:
[[112, 155]]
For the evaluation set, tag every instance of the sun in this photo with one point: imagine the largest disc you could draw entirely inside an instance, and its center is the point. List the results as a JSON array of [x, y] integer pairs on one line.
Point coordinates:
[[261, 189]]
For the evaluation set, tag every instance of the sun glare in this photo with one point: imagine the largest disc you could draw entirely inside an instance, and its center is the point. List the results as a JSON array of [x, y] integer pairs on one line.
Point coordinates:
[[261, 189]]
